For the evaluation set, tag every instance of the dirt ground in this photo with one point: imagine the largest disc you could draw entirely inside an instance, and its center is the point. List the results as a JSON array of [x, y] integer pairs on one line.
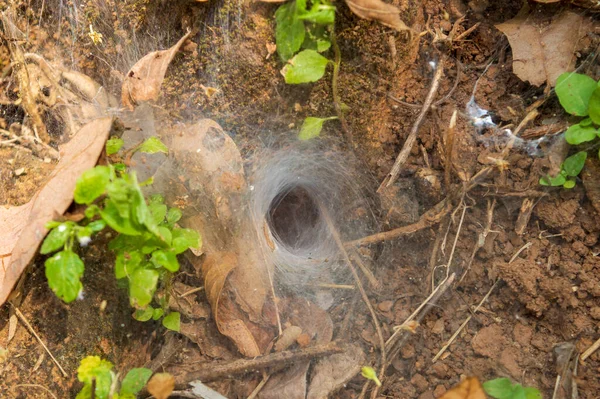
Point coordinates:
[[544, 276]]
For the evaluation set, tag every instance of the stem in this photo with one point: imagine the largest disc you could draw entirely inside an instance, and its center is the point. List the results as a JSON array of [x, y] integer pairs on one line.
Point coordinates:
[[334, 87]]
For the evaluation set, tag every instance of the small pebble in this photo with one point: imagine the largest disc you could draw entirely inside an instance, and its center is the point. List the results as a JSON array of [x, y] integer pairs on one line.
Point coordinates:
[[19, 171]]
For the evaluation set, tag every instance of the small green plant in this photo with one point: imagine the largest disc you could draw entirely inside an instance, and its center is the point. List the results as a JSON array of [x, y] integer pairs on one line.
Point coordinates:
[[503, 388], [146, 246], [301, 35], [97, 375], [370, 374], [579, 95]]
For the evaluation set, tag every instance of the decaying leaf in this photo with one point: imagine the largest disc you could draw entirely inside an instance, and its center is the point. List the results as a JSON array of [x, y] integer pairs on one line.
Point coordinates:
[[161, 385], [470, 388], [144, 79], [24, 226], [541, 53], [333, 372], [387, 14]]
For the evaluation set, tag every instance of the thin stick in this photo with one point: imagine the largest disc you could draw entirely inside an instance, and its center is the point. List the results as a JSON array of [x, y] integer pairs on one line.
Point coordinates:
[[190, 292], [482, 237], [215, 370], [32, 331], [590, 350], [340, 244], [260, 386], [523, 248], [412, 137], [462, 326], [366, 271]]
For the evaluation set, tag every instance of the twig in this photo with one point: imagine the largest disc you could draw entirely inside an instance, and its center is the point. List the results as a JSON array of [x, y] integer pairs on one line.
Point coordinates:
[[215, 370], [337, 102], [588, 352], [451, 340], [412, 137], [523, 248], [467, 32], [260, 386], [366, 271], [32, 331], [340, 244], [449, 148], [190, 292]]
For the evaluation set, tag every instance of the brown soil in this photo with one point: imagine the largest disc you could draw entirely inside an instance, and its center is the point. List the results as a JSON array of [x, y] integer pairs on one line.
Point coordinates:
[[548, 294]]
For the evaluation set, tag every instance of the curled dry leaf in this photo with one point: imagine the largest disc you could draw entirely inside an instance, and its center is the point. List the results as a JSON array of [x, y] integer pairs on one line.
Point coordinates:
[[470, 388], [542, 52], [387, 14], [23, 227], [161, 385], [144, 79]]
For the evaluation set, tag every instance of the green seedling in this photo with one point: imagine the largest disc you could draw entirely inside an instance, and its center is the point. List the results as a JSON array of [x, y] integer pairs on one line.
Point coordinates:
[[146, 245], [302, 34], [503, 388], [370, 374], [579, 95], [96, 374]]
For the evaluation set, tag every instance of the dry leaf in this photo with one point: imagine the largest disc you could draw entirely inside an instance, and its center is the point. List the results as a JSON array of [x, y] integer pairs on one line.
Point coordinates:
[[333, 372], [541, 54], [387, 14], [470, 388], [144, 79], [23, 227], [161, 385]]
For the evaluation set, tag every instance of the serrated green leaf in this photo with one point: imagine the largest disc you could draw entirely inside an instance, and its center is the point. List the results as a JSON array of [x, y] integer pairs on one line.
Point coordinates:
[[306, 66], [311, 127], [172, 321], [64, 271], [91, 184], [166, 259], [93, 370], [289, 31], [56, 238], [594, 106], [143, 314], [142, 285], [569, 184], [184, 239], [574, 164], [127, 263], [153, 145], [577, 134], [174, 215], [135, 380], [574, 91], [157, 314], [113, 145]]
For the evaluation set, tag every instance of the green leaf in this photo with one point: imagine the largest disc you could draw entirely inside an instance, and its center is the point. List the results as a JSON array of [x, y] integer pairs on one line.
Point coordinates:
[[586, 122], [569, 184], [97, 225], [577, 134], [573, 164], [499, 388], [152, 146], [120, 167], [157, 314], [91, 211], [91, 184], [289, 32], [158, 211], [311, 127], [127, 263], [165, 234], [90, 369], [142, 285], [574, 91], [307, 66], [56, 238], [172, 321], [168, 260], [559, 180], [321, 14], [184, 239], [317, 38], [84, 235], [113, 145], [532, 393], [143, 314], [594, 106], [370, 374], [64, 271], [174, 215], [112, 216], [135, 380]]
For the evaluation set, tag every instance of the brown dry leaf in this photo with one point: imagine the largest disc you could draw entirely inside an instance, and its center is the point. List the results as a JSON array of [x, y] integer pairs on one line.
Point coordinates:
[[541, 53], [161, 385], [144, 79], [23, 227], [333, 372], [387, 14], [470, 388]]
